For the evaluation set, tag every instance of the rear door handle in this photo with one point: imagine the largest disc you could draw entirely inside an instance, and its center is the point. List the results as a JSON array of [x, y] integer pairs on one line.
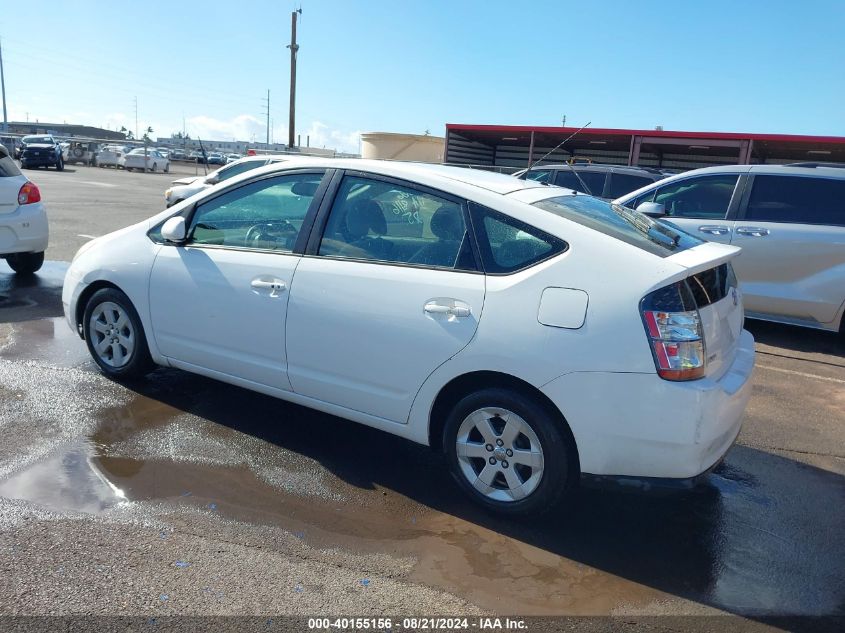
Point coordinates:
[[752, 231], [449, 307], [275, 286], [715, 229]]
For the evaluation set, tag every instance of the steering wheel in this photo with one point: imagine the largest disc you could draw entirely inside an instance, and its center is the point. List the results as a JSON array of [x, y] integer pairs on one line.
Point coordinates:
[[269, 231]]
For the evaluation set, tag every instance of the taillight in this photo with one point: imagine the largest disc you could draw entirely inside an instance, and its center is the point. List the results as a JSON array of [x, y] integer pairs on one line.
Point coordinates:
[[28, 194], [673, 326]]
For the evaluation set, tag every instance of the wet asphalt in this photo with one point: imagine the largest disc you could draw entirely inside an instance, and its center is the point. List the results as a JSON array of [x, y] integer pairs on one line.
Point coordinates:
[[180, 494]]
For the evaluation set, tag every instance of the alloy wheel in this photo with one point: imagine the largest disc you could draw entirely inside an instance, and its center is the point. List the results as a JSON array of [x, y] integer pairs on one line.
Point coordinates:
[[499, 454], [112, 335]]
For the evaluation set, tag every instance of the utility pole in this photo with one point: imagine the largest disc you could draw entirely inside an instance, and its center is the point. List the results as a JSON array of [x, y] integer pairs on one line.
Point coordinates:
[[267, 112], [3, 86], [136, 118], [294, 47]]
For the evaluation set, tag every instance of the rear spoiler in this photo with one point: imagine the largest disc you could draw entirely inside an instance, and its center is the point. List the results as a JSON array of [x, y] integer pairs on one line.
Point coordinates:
[[700, 258]]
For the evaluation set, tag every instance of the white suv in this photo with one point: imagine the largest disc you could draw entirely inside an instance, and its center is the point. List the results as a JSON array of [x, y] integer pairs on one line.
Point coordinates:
[[23, 219], [789, 221]]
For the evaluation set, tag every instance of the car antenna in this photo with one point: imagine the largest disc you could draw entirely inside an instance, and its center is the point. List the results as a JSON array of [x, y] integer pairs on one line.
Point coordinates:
[[558, 146], [204, 157]]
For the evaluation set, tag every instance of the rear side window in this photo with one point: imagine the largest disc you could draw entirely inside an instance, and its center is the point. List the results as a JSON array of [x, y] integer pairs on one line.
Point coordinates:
[[7, 166], [622, 223], [508, 245], [706, 197], [592, 180], [620, 184], [798, 199]]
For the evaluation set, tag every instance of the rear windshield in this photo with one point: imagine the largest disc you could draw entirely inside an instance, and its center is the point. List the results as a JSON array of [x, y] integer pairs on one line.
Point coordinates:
[[622, 223]]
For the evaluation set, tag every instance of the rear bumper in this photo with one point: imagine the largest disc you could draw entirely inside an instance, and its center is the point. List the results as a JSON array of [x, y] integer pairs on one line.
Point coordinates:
[[635, 426], [25, 230]]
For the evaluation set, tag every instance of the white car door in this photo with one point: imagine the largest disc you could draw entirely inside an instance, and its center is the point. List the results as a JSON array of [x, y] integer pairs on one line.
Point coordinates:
[[389, 292], [792, 234], [219, 301]]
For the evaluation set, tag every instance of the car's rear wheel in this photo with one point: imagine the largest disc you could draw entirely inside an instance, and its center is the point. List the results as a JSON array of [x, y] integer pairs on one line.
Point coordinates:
[[508, 452], [60, 164], [25, 263], [115, 336]]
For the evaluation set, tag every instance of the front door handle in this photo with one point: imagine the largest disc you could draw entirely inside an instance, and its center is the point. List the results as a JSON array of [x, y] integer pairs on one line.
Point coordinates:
[[715, 229], [752, 231], [449, 307], [275, 286]]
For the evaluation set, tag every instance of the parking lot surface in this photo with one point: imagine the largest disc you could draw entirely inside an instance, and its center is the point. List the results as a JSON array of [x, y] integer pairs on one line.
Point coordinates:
[[181, 495]]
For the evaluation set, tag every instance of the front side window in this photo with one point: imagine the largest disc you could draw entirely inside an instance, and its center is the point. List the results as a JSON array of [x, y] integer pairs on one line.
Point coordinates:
[[383, 221], [705, 197], [266, 215], [581, 181], [798, 199], [508, 245]]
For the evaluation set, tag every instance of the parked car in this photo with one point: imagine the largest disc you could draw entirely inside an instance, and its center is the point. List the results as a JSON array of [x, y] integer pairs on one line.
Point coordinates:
[[231, 158], [113, 156], [197, 156], [23, 219], [41, 151], [82, 152], [151, 159], [216, 158], [789, 221], [178, 154], [533, 335], [184, 188], [602, 181]]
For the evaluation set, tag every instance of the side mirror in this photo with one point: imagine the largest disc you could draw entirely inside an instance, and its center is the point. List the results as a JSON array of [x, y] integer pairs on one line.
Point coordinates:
[[174, 230], [212, 180], [652, 209]]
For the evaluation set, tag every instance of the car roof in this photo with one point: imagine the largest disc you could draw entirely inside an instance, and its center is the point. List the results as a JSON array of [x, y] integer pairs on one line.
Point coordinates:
[[427, 174], [600, 167]]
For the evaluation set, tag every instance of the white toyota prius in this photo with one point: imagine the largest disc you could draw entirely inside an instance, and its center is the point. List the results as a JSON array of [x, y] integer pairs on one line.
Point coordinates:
[[534, 335]]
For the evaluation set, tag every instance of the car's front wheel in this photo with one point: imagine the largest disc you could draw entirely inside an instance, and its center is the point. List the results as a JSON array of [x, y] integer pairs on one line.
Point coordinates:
[[508, 452], [25, 263], [115, 336], [60, 164]]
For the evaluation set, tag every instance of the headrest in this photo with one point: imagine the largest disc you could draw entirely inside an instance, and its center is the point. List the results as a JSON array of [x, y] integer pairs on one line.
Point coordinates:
[[363, 217], [447, 223]]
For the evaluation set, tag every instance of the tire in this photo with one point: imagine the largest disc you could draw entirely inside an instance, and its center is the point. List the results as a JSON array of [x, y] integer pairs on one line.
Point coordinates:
[[25, 263], [114, 335], [530, 484], [60, 164], [167, 168], [155, 168]]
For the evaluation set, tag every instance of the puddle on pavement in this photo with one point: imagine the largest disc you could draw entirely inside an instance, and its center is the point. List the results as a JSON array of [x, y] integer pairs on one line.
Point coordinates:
[[481, 564], [49, 341]]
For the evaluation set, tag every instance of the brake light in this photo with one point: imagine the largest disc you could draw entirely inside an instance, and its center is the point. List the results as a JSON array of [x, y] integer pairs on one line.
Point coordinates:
[[674, 330], [28, 194]]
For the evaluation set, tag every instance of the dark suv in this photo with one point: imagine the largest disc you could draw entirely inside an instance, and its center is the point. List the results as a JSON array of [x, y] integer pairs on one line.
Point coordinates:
[[41, 151], [601, 181]]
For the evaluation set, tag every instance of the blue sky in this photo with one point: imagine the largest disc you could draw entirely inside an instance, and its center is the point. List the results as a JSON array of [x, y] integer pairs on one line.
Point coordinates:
[[402, 66]]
